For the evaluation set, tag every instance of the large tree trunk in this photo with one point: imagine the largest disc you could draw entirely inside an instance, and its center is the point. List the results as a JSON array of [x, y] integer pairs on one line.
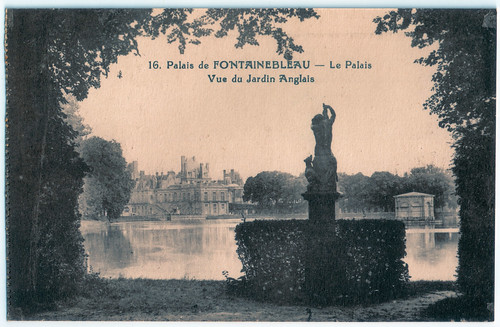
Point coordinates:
[[27, 117]]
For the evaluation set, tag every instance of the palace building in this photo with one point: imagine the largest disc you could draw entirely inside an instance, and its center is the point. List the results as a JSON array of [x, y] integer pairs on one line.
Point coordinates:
[[189, 192]]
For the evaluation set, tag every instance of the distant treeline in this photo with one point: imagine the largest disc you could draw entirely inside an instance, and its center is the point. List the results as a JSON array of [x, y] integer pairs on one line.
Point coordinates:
[[278, 192], [378, 190]]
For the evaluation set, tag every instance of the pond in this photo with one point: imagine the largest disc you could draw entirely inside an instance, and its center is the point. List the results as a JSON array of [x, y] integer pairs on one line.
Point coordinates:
[[202, 249]]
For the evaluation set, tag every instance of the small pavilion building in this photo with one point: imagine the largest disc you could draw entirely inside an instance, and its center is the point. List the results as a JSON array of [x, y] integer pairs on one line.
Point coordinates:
[[414, 206]]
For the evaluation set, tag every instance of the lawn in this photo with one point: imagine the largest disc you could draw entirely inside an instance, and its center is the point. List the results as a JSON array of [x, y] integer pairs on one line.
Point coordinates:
[[197, 300]]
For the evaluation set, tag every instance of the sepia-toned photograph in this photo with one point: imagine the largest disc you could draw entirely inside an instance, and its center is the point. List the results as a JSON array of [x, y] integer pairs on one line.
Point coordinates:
[[250, 165]]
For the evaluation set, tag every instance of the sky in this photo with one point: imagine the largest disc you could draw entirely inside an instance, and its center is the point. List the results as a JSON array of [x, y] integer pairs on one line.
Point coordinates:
[[160, 115]]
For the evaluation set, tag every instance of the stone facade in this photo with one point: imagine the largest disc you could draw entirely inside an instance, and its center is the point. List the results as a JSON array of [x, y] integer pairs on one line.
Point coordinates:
[[190, 192], [414, 206]]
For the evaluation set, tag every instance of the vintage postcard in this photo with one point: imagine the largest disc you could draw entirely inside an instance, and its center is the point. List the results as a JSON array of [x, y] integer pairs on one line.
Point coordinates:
[[284, 164]]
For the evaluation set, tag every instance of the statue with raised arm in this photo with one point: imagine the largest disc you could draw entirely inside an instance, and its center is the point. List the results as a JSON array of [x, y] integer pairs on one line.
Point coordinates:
[[321, 172], [322, 129]]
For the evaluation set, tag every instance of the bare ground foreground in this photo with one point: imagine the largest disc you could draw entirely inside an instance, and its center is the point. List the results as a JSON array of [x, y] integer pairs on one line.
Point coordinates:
[[192, 300]]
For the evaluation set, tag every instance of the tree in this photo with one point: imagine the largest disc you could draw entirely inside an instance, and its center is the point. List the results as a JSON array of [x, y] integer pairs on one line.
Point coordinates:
[[73, 119], [275, 191], [292, 198], [435, 181], [381, 189], [464, 99], [378, 190], [354, 191], [464, 83], [50, 53], [53, 53], [474, 171], [108, 185]]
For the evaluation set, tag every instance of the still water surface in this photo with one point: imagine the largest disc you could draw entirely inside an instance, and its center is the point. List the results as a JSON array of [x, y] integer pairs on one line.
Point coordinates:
[[202, 249]]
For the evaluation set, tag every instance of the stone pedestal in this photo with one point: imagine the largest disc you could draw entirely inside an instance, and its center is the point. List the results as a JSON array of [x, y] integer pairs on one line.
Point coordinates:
[[319, 272], [321, 205]]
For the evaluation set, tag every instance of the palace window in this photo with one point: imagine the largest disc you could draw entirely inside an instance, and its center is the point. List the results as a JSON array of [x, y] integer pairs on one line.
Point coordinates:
[[214, 196], [222, 196], [205, 196]]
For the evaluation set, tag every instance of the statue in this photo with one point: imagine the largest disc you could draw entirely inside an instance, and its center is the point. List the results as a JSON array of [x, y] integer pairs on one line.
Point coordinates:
[[321, 173], [310, 173], [322, 129]]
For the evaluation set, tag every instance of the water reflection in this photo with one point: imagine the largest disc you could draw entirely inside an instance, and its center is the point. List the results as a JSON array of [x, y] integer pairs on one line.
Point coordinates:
[[162, 250], [109, 245], [202, 249], [432, 253]]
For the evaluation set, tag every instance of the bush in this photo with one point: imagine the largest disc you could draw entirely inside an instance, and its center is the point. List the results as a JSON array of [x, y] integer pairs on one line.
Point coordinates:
[[343, 262], [272, 254], [458, 309], [353, 261]]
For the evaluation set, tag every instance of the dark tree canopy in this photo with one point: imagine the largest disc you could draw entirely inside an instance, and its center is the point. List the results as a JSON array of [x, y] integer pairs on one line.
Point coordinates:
[[435, 181], [378, 190], [463, 51], [274, 191], [251, 23], [108, 185], [354, 191], [382, 188], [55, 52], [464, 98]]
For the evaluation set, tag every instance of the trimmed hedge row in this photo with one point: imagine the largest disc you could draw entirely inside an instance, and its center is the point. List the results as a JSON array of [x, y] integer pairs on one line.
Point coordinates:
[[341, 262], [272, 254]]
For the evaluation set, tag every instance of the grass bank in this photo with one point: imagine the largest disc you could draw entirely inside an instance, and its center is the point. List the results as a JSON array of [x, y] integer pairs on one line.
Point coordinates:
[[195, 300]]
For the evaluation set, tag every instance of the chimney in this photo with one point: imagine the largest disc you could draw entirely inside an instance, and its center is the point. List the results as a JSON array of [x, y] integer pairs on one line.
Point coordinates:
[[183, 160]]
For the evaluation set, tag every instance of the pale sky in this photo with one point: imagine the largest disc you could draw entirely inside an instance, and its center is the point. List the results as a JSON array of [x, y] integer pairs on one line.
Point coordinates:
[[160, 115]]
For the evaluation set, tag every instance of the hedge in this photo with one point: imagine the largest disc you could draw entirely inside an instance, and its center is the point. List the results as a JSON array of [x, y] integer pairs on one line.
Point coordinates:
[[474, 168], [342, 262]]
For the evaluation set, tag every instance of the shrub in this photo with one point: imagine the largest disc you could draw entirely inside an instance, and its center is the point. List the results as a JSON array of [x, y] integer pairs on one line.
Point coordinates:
[[272, 254], [353, 261], [458, 309], [344, 262]]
